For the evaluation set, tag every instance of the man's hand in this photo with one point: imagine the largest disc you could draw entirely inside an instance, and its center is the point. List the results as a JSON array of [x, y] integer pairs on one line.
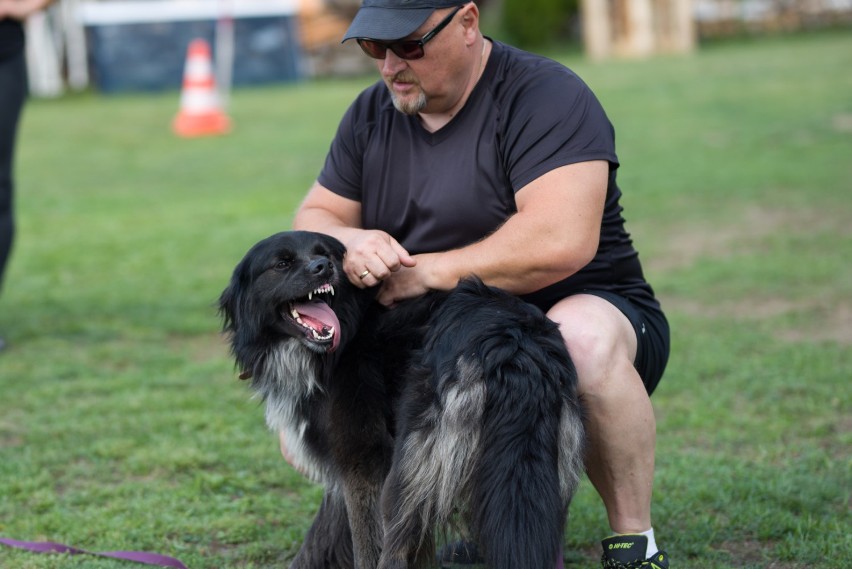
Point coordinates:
[[400, 286], [372, 256], [411, 282]]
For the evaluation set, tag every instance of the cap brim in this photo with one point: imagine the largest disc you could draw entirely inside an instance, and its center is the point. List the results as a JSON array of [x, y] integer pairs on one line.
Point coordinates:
[[385, 23]]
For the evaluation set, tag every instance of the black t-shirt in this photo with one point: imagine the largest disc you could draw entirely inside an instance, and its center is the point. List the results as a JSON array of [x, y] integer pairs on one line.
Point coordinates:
[[436, 191], [11, 38]]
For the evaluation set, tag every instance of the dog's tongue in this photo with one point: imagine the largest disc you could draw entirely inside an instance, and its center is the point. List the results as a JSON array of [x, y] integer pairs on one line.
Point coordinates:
[[321, 318]]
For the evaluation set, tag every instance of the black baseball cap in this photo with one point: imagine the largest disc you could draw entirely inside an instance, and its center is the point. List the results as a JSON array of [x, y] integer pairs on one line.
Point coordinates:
[[393, 19]]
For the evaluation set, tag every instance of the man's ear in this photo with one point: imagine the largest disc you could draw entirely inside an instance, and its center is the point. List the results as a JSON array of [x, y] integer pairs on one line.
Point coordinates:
[[470, 21]]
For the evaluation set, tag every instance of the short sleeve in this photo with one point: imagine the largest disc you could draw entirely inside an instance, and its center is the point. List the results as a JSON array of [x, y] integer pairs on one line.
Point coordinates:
[[553, 119]]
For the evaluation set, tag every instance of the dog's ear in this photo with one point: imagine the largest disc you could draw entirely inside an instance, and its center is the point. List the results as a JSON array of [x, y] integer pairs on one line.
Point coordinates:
[[237, 320], [230, 301], [226, 307]]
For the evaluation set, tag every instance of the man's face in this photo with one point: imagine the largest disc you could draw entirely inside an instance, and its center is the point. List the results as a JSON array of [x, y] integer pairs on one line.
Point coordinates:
[[406, 92], [423, 85]]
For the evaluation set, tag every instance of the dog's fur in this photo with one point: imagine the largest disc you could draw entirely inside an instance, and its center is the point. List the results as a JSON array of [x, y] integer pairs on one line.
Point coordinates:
[[455, 409]]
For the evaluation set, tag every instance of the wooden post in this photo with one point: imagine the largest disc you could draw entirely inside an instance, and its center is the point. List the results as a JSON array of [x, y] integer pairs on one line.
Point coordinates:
[[597, 29], [637, 28], [674, 26], [639, 39]]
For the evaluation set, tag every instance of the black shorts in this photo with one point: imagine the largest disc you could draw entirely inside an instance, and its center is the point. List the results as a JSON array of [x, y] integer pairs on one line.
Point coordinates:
[[652, 333]]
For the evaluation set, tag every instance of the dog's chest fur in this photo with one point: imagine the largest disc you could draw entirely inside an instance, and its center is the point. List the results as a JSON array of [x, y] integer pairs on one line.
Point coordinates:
[[289, 384]]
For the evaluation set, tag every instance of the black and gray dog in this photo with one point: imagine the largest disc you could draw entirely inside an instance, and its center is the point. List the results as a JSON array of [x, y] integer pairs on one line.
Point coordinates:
[[457, 409]]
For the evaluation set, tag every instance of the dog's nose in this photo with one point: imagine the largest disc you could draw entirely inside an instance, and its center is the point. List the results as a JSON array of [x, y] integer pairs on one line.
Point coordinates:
[[320, 267]]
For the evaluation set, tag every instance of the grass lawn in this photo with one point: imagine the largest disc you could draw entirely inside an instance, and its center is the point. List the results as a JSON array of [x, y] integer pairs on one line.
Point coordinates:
[[122, 424]]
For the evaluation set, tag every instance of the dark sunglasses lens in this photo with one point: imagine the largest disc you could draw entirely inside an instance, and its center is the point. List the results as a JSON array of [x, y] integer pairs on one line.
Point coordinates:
[[374, 49], [403, 49], [407, 49]]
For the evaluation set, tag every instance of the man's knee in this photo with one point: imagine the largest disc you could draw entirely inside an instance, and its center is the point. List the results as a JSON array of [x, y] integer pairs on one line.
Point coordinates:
[[600, 340]]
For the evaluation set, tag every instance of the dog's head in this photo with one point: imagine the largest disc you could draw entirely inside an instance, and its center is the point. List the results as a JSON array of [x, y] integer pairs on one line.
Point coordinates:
[[285, 289]]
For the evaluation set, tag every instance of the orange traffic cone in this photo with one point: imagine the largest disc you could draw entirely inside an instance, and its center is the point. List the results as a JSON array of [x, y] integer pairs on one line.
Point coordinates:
[[200, 112]]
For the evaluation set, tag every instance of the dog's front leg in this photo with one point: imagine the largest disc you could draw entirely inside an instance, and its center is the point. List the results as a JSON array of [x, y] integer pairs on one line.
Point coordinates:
[[362, 448], [328, 544], [362, 495], [362, 453]]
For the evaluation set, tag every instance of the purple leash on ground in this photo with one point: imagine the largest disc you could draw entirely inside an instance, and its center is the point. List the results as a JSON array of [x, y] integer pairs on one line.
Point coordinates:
[[135, 556]]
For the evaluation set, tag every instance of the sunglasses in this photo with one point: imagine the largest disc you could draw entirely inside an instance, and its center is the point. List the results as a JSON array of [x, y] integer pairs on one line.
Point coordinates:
[[404, 49]]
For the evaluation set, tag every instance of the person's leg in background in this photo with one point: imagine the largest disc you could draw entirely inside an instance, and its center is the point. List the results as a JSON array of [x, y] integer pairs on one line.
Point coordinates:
[[13, 92]]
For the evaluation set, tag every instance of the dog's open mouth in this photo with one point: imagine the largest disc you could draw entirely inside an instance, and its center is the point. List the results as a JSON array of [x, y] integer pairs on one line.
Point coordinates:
[[316, 318]]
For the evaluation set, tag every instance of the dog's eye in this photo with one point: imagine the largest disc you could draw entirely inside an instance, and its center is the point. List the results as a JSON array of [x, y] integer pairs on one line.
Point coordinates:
[[283, 264]]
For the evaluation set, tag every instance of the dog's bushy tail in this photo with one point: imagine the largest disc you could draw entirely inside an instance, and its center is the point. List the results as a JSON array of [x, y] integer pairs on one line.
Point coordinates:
[[502, 433], [434, 463], [531, 449]]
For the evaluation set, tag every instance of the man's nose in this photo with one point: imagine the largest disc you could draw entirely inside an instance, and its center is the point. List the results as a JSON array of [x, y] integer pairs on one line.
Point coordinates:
[[392, 63]]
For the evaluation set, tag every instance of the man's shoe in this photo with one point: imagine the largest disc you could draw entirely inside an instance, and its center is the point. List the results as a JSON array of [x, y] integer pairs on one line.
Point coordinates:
[[628, 552]]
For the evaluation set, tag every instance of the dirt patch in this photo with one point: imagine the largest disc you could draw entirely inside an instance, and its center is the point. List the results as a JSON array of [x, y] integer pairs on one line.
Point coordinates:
[[831, 324], [830, 320], [837, 327], [739, 310], [9, 440], [842, 122], [692, 242]]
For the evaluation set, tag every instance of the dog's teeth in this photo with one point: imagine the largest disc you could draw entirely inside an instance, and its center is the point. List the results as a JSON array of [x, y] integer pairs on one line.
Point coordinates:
[[297, 317], [326, 288], [328, 333]]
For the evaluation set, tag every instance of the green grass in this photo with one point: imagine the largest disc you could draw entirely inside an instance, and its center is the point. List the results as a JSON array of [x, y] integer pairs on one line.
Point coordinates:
[[122, 425]]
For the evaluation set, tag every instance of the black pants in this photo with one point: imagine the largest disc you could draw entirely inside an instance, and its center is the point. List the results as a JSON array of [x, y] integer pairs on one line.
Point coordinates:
[[13, 92]]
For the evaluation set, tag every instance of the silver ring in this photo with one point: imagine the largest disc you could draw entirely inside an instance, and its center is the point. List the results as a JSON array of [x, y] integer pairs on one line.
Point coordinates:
[[364, 274]]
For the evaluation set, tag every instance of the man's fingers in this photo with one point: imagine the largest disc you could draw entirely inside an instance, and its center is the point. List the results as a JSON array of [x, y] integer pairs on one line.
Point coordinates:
[[404, 258], [374, 257]]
